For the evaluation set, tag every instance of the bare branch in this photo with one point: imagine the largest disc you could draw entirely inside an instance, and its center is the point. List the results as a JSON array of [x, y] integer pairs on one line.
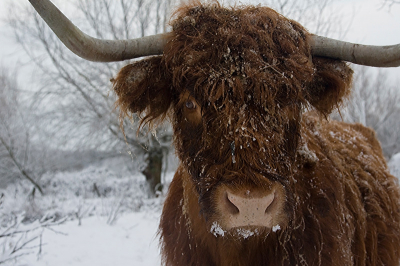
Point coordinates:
[[25, 234]]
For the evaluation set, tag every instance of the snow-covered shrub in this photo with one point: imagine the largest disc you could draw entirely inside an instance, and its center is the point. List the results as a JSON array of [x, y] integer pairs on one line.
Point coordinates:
[[105, 189], [18, 239]]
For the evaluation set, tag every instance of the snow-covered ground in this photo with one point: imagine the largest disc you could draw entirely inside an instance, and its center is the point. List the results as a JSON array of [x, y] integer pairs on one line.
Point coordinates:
[[96, 216], [132, 240]]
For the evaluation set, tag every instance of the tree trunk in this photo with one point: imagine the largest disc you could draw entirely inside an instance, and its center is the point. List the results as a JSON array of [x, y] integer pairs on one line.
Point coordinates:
[[152, 172]]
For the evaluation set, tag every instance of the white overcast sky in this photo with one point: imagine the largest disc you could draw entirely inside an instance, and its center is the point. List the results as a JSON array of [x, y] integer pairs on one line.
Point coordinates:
[[372, 24]]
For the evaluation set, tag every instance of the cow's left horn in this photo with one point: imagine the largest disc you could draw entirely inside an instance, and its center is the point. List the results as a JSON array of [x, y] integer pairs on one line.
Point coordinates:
[[368, 55], [91, 48]]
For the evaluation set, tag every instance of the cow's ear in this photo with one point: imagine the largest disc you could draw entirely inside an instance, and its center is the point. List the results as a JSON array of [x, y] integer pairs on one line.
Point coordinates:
[[144, 88], [330, 86]]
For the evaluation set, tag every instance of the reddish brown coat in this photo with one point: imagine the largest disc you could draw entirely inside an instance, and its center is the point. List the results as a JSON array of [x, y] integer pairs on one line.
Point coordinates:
[[235, 83]]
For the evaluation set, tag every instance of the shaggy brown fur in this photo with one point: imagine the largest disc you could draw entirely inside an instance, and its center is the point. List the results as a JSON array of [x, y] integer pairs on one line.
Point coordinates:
[[235, 83]]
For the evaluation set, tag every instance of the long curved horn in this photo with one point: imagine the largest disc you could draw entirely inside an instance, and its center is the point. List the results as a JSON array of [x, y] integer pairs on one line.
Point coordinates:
[[93, 49], [368, 55]]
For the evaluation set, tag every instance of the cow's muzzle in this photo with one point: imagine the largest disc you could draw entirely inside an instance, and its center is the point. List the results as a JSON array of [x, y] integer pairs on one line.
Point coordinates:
[[256, 208]]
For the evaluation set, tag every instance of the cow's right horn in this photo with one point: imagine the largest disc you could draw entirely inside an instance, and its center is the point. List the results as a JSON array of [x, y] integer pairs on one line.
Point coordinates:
[[368, 55], [94, 49]]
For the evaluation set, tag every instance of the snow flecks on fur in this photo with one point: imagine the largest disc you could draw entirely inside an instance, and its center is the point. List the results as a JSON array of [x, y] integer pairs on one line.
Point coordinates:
[[276, 228], [241, 233], [246, 233], [216, 229], [307, 154]]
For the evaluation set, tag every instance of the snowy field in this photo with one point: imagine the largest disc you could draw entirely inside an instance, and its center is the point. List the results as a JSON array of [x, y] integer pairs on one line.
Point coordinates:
[[114, 225], [132, 240]]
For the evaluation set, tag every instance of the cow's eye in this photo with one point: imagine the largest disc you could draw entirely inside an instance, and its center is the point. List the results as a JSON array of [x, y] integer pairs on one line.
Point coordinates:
[[190, 104]]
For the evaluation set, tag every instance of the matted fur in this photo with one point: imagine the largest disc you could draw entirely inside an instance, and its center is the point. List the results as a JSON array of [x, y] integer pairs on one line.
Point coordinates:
[[235, 83]]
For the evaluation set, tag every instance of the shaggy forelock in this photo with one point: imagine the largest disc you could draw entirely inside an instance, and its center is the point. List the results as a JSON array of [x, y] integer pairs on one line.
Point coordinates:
[[238, 55]]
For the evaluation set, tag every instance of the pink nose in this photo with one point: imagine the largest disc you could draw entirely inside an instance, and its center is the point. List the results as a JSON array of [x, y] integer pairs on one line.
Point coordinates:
[[245, 209]]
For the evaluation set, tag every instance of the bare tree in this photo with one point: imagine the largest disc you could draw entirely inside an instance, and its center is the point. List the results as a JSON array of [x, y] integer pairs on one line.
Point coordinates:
[[76, 93], [375, 103], [19, 157]]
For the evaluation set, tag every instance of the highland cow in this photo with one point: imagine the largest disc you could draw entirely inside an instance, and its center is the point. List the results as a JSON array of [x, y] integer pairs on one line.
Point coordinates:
[[265, 178]]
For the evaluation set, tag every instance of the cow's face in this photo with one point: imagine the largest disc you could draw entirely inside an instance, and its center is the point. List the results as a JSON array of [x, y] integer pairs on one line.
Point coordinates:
[[239, 156], [236, 82]]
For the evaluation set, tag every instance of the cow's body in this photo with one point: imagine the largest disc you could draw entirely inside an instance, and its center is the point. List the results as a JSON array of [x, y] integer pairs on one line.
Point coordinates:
[[260, 182], [348, 203]]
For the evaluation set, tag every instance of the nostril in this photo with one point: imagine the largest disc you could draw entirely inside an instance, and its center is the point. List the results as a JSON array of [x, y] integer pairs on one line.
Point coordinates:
[[230, 206], [270, 204]]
